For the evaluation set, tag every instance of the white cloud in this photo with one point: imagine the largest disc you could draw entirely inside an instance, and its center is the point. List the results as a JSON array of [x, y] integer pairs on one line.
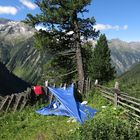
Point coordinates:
[[28, 4], [8, 10], [110, 27]]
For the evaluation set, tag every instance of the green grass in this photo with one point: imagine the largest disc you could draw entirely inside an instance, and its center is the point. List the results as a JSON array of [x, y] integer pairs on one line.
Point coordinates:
[[27, 125], [19, 71]]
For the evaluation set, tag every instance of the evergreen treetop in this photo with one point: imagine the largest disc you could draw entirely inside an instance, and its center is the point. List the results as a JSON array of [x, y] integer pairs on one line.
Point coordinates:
[[65, 25], [102, 68]]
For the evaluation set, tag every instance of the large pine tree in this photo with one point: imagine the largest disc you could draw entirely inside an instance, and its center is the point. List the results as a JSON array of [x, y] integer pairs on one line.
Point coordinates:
[[101, 67], [65, 25]]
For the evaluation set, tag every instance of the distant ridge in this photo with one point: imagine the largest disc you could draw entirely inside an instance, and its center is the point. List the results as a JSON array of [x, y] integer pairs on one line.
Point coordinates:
[[9, 83]]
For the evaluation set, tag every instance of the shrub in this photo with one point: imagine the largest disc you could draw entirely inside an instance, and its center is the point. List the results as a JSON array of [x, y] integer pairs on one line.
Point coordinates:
[[109, 124]]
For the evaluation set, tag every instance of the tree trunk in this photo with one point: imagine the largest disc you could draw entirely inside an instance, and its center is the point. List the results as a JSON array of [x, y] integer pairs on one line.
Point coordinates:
[[77, 44], [80, 68]]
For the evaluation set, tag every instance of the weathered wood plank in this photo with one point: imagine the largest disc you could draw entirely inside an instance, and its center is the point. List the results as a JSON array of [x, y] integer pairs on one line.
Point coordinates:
[[106, 92], [137, 116], [109, 97], [133, 108], [5, 103], [10, 102], [129, 101], [130, 97], [20, 98], [106, 88], [23, 105]]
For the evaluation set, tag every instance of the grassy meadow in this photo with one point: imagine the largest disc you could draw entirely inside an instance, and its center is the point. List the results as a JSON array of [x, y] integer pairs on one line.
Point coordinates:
[[109, 122]]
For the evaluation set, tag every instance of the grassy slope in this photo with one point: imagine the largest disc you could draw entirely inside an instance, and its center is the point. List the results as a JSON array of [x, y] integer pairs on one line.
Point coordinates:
[[130, 81], [28, 125]]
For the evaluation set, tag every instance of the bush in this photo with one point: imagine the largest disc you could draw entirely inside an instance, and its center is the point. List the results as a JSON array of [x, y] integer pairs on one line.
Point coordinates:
[[109, 124]]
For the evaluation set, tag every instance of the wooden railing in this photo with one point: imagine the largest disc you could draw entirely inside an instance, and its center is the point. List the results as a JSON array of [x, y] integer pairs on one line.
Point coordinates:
[[15, 101], [131, 104], [115, 95], [18, 101]]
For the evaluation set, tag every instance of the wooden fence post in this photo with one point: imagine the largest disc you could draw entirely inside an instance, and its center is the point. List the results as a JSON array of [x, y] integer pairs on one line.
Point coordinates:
[[65, 85], [96, 82], [117, 92], [61, 85], [5, 103], [46, 87], [12, 98], [86, 86], [89, 84], [51, 95], [46, 97]]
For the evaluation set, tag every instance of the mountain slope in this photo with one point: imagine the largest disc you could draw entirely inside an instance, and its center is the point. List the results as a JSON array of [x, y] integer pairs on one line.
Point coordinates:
[[17, 51], [10, 83], [133, 75], [130, 81], [124, 54]]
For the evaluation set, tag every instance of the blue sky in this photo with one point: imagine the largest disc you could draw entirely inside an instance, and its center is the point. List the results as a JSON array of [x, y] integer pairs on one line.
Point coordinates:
[[116, 18]]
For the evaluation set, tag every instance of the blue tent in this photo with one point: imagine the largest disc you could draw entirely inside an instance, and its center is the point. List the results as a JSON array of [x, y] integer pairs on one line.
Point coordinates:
[[66, 105]]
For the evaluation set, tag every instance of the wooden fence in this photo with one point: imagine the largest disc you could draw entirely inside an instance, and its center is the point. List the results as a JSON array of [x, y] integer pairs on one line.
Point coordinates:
[[115, 95], [18, 101]]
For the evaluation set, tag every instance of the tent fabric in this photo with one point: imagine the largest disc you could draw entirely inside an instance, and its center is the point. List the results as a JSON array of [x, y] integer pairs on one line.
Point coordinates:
[[38, 90], [66, 97], [54, 109], [67, 106]]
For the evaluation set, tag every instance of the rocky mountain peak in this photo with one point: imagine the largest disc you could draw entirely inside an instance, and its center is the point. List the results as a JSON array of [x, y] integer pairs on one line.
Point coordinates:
[[15, 30]]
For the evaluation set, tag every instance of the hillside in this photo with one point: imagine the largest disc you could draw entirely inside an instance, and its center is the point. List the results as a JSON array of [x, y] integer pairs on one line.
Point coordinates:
[[10, 83], [25, 61], [17, 51], [124, 54], [130, 81]]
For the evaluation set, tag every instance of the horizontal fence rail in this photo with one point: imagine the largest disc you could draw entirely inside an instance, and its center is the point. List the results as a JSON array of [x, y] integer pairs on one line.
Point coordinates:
[[131, 104]]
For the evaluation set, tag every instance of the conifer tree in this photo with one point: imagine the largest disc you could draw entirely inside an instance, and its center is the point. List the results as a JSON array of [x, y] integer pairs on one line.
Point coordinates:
[[102, 68], [65, 25]]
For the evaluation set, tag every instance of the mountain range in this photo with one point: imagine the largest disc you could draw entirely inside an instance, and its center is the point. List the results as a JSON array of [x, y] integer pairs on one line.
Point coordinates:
[[24, 60]]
